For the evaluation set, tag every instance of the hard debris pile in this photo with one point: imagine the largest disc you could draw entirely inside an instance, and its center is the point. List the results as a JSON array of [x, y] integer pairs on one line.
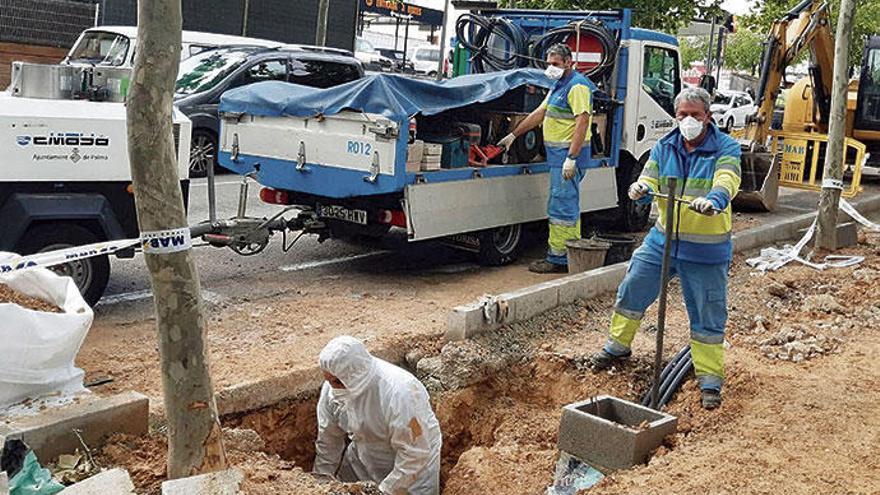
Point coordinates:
[[795, 343]]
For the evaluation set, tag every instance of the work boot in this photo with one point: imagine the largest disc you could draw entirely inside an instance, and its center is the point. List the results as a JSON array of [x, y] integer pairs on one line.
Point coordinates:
[[710, 399], [544, 266], [602, 360]]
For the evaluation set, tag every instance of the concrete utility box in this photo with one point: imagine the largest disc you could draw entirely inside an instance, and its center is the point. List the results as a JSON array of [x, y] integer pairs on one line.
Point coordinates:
[[611, 433]]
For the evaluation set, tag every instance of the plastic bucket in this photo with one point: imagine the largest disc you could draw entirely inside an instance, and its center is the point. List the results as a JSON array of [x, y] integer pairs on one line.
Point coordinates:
[[586, 254], [622, 247]]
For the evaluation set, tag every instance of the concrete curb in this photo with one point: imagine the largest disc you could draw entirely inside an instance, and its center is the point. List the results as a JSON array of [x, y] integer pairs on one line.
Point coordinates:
[[475, 318]]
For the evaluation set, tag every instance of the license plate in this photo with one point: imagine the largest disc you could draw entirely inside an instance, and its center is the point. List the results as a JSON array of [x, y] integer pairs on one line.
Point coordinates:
[[342, 213]]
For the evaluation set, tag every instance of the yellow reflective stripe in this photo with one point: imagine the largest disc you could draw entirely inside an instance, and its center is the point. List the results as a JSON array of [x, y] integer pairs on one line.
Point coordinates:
[[728, 180], [651, 181], [683, 234], [561, 233], [708, 358], [623, 329]]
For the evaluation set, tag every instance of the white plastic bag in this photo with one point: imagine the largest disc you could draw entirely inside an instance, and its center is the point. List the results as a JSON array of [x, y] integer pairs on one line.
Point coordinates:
[[37, 349]]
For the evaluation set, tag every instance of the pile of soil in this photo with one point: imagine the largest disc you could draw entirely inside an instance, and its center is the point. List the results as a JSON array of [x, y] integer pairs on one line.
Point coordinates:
[[265, 474], [8, 295]]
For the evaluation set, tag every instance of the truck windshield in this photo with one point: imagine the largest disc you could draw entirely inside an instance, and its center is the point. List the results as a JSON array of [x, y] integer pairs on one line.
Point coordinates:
[[205, 70], [100, 48]]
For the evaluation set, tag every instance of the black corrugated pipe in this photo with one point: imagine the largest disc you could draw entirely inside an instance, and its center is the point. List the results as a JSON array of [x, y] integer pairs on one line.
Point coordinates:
[[671, 377], [562, 34], [481, 36]]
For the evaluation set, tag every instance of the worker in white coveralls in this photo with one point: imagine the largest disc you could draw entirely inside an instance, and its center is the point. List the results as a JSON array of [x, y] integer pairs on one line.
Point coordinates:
[[706, 164], [565, 116], [386, 415]]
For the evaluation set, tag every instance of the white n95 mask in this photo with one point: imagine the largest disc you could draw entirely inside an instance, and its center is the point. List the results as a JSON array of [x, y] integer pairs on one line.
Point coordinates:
[[690, 128], [554, 72]]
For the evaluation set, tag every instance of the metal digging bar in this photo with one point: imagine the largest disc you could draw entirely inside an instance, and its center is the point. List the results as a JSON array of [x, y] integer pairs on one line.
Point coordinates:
[[672, 183]]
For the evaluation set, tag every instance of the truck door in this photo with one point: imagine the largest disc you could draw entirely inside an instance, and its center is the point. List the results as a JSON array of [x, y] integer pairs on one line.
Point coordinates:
[[659, 85]]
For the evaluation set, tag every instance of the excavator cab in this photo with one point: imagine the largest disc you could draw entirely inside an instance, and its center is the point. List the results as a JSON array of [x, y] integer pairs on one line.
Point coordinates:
[[867, 117]]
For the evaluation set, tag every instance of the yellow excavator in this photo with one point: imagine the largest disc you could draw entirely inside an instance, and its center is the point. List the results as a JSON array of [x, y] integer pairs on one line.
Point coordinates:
[[804, 114], [794, 156]]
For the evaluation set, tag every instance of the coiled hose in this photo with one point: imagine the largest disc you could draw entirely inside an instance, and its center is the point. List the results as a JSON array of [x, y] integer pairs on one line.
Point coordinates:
[[497, 43], [583, 28], [672, 377]]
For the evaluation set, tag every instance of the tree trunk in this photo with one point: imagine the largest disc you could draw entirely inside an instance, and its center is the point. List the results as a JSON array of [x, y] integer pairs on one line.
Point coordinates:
[[832, 176], [194, 435]]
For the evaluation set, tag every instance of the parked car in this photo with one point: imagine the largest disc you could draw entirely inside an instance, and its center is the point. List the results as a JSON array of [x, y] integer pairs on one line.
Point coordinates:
[[370, 57], [114, 45], [397, 57], [730, 109], [205, 76], [425, 60]]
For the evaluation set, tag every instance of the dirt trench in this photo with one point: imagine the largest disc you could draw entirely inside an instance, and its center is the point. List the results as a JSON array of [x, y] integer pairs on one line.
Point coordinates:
[[499, 435]]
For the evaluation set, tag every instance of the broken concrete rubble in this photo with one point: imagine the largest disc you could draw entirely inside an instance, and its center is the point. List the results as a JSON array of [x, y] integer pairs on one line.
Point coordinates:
[[112, 482], [220, 483]]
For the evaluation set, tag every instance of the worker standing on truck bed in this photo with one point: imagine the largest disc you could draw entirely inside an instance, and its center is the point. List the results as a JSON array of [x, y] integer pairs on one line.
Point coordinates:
[[566, 115], [706, 164], [386, 414]]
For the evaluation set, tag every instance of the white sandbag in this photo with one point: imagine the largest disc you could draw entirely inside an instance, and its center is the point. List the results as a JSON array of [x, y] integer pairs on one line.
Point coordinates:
[[38, 349]]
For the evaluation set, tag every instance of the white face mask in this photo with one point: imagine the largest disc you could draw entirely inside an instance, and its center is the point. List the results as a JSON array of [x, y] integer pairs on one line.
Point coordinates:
[[690, 128], [554, 72]]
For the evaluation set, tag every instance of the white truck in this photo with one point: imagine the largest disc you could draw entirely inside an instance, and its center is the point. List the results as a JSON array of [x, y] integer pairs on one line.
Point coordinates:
[[342, 157], [65, 177]]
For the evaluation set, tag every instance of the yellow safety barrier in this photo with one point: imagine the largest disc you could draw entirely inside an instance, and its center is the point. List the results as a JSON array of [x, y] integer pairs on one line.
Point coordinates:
[[801, 158]]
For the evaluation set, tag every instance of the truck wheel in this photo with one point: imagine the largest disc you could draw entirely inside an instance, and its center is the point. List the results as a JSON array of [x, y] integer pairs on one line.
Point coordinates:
[[630, 215], [501, 245], [90, 274], [202, 153]]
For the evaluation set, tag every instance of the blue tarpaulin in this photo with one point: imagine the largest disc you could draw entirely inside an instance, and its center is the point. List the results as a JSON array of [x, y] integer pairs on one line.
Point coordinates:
[[392, 96]]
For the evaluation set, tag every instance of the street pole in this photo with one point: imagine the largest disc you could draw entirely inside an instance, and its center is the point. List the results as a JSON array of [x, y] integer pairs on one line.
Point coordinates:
[[440, 73], [710, 51], [321, 29], [405, 39], [722, 34], [832, 175]]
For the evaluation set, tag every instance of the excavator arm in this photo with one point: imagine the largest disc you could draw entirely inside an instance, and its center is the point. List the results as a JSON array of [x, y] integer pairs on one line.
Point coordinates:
[[806, 25]]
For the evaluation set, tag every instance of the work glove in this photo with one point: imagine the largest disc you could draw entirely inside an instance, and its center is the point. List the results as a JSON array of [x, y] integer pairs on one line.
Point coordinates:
[[703, 205], [506, 141], [638, 190], [569, 167]]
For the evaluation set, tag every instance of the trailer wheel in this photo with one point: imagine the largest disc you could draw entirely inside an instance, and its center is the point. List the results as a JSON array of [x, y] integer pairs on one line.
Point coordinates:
[[501, 245], [630, 215], [90, 274]]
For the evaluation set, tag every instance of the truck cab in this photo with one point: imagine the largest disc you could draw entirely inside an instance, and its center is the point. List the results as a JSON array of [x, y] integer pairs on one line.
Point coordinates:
[[66, 180]]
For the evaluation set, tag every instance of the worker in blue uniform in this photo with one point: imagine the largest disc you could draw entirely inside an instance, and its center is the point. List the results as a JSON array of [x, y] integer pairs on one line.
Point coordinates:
[[565, 116]]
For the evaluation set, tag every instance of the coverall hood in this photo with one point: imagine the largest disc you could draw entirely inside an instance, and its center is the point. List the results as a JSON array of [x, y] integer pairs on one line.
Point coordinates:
[[346, 358]]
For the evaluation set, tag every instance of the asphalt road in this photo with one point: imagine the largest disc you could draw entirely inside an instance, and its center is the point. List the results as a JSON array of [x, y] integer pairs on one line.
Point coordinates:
[[224, 273]]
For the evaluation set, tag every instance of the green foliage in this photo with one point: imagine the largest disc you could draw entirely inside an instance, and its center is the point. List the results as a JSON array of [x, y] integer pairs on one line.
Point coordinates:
[[743, 51], [867, 20], [692, 49], [662, 15]]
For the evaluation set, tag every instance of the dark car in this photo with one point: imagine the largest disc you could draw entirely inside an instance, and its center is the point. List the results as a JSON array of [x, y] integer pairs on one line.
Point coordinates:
[[397, 57], [207, 75]]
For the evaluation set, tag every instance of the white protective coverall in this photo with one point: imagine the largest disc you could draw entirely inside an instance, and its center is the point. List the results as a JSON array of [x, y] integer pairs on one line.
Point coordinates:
[[386, 413]]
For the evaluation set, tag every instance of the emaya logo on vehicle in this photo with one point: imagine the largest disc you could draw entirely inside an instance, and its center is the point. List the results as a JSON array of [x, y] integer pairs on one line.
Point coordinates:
[[64, 139]]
